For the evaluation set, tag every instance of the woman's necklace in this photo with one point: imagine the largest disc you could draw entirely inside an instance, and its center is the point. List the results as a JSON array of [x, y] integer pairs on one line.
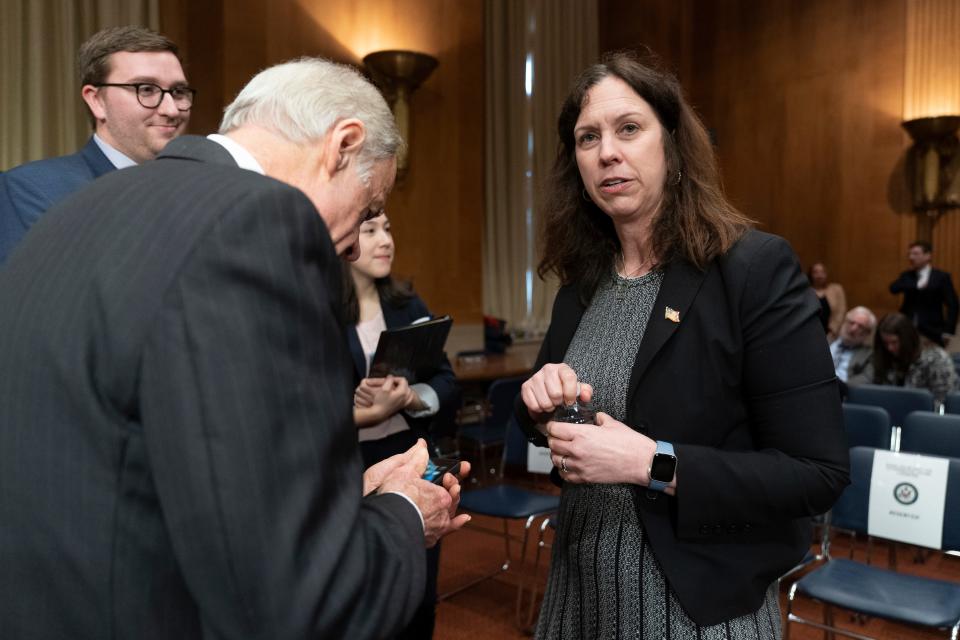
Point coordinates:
[[624, 278]]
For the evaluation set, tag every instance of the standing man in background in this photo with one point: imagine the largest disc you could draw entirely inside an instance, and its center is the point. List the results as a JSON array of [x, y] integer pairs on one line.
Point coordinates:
[[178, 456], [138, 100], [927, 293]]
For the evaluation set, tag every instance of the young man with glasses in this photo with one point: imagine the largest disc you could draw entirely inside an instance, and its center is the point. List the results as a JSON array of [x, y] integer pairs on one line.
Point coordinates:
[[138, 100]]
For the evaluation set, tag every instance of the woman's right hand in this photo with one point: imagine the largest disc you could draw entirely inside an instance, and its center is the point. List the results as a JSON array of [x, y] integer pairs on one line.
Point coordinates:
[[554, 385], [383, 397]]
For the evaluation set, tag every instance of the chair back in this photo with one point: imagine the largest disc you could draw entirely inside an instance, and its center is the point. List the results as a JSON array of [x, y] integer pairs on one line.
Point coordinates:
[[500, 398], [515, 445], [898, 401], [866, 426], [852, 509], [952, 403], [931, 434]]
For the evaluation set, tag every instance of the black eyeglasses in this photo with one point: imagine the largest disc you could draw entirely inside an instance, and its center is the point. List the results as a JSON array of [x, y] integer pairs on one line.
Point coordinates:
[[150, 95]]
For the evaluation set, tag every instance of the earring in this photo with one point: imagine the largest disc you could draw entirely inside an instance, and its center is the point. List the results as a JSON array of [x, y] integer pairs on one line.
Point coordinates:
[[679, 176]]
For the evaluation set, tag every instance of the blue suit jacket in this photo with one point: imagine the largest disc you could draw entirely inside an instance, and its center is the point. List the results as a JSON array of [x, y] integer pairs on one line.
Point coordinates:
[[27, 191]]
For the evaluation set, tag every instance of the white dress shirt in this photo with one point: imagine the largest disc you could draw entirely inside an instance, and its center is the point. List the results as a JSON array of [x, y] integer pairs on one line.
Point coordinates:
[[117, 159]]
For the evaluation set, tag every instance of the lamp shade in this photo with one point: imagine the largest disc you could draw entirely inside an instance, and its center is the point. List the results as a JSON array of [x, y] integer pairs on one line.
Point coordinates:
[[930, 163], [398, 73], [396, 68], [932, 129]]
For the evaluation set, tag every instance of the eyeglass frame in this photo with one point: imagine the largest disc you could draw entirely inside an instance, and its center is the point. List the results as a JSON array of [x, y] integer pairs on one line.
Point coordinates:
[[163, 92]]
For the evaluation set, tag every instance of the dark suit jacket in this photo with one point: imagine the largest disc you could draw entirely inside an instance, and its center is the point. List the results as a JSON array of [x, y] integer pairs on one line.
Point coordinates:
[[744, 387], [443, 381], [177, 454], [926, 306], [32, 188]]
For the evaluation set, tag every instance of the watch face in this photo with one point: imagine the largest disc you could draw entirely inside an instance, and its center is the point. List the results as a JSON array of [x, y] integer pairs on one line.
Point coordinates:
[[663, 467]]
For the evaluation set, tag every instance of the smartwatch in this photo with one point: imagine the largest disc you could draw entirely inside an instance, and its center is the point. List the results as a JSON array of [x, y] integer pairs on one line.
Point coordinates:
[[663, 466]]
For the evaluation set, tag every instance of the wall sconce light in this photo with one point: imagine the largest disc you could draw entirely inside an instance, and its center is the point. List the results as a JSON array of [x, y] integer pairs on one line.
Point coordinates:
[[933, 164], [398, 73]]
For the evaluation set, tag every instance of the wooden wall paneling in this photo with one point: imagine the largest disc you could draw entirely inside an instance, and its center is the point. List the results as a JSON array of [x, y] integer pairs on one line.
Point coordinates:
[[197, 28], [805, 102], [932, 88], [438, 211], [637, 25]]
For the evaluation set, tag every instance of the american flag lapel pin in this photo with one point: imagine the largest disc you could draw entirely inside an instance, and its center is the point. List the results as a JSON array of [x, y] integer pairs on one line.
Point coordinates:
[[672, 315]]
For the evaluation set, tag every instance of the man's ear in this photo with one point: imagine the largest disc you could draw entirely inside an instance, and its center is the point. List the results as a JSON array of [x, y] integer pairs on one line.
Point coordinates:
[[343, 144], [91, 96]]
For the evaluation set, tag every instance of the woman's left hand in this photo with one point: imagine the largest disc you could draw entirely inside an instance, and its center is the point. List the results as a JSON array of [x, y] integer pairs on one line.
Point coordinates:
[[365, 392], [606, 453]]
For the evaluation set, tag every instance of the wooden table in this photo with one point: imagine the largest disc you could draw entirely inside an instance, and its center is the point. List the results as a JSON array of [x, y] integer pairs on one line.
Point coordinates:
[[516, 361]]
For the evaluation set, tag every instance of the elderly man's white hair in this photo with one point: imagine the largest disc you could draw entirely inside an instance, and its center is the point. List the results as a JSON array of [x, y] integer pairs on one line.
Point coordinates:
[[872, 319], [300, 100]]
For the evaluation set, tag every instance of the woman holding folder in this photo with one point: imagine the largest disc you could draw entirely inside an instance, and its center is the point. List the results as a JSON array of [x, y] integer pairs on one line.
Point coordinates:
[[391, 413]]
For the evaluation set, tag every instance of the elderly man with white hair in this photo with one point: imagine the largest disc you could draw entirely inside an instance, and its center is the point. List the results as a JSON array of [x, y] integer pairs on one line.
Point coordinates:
[[177, 451], [851, 351]]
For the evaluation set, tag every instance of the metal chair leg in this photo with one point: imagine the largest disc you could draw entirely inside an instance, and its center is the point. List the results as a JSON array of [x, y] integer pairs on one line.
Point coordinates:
[[790, 597], [525, 622], [828, 621], [535, 573]]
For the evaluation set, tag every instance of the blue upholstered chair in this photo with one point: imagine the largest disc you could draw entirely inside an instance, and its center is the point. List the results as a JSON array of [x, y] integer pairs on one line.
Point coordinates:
[[489, 434], [507, 502], [866, 426], [873, 591], [952, 403], [898, 401], [931, 434]]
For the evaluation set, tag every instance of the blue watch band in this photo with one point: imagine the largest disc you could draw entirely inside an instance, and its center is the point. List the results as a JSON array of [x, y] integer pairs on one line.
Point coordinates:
[[663, 466]]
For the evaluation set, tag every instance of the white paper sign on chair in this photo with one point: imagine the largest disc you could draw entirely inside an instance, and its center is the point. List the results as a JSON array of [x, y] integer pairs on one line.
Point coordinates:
[[538, 459], [907, 493]]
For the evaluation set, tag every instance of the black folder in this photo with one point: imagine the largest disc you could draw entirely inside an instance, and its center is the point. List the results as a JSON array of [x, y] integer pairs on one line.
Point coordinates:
[[414, 351]]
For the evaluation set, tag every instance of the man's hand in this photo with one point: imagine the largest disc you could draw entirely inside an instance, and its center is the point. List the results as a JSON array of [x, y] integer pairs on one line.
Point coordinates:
[[403, 473]]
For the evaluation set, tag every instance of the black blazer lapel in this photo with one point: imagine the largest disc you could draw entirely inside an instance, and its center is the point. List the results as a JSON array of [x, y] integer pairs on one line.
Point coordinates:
[[197, 148], [680, 285], [392, 317], [356, 352], [395, 317]]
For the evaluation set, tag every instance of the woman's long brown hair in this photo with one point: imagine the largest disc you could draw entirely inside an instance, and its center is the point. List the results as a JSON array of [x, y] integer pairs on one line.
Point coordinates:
[[695, 221]]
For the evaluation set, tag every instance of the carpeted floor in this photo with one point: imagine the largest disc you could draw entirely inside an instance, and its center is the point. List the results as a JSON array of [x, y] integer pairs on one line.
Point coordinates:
[[487, 610]]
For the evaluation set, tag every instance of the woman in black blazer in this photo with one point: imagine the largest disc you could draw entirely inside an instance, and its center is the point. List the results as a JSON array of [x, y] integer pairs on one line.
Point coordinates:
[[698, 341], [390, 413]]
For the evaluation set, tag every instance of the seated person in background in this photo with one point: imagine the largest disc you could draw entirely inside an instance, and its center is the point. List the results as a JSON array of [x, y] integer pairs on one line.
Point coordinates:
[[852, 351], [833, 301], [138, 100], [390, 413], [902, 358]]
